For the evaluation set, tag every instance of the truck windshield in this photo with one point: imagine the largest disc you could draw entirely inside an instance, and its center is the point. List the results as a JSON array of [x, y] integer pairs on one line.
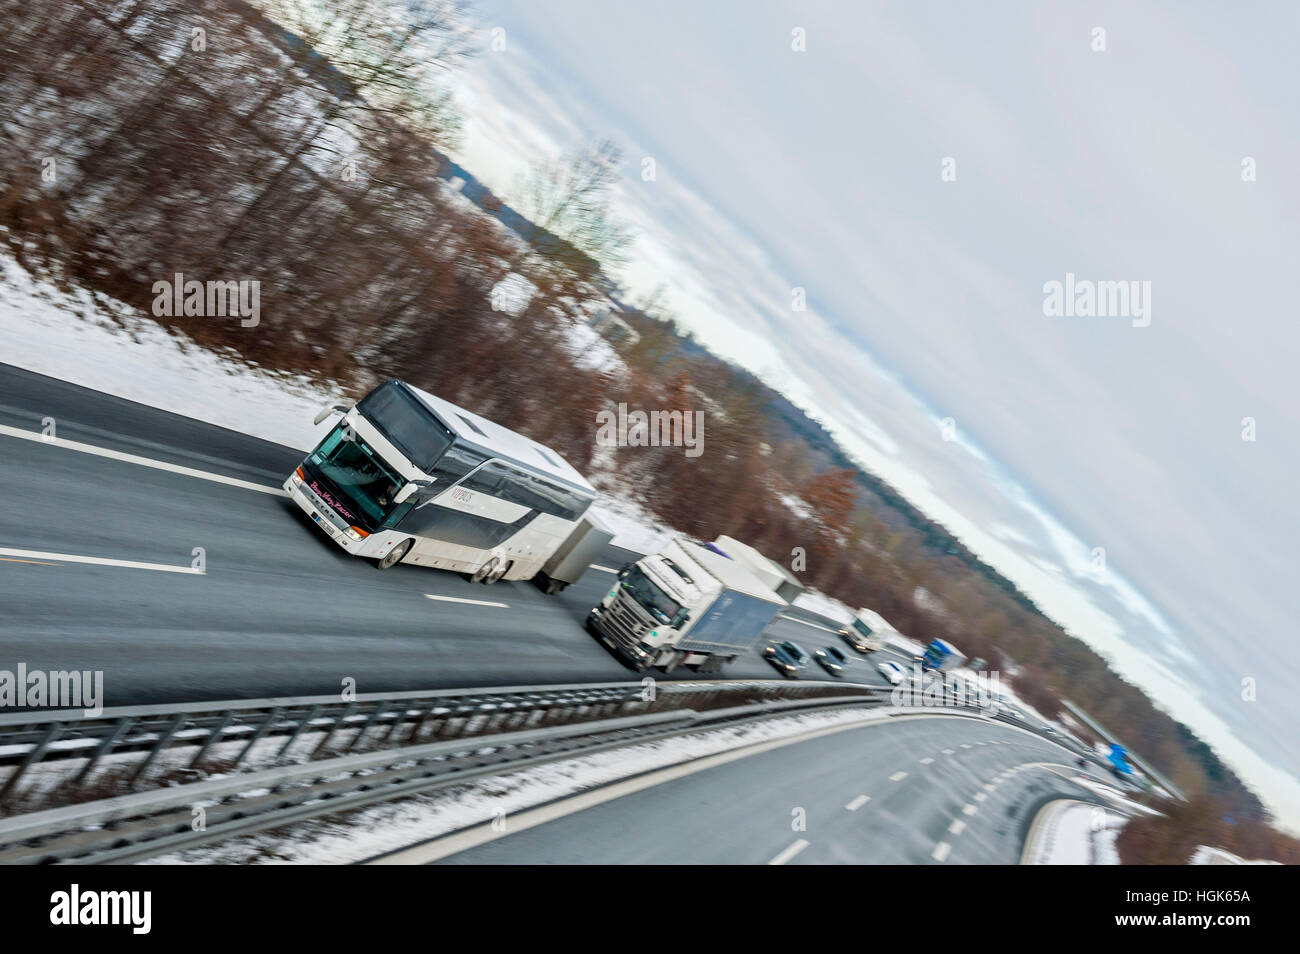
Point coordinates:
[[359, 475], [660, 605]]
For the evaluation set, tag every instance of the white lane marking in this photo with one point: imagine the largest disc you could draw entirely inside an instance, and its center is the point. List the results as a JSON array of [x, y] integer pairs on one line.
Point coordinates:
[[789, 852], [989, 786], [804, 622], [603, 569], [927, 760], [99, 561], [965, 745], [957, 827], [941, 851], [458, 599], [969, 810], [980, 796], [858, 802], [947, 751], [136, 459], [897, 776]]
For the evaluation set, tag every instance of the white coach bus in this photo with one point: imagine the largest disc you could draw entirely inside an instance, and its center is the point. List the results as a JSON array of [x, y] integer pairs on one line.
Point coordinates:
[[408, 477]]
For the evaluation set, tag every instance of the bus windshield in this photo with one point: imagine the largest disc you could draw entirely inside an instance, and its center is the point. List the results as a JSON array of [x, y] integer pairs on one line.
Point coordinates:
[[407, 423], [661, 606], [358, 473]]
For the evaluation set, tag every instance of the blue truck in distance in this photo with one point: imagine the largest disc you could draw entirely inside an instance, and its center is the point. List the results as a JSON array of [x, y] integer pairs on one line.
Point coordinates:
[[1119, 761], [940, 656]]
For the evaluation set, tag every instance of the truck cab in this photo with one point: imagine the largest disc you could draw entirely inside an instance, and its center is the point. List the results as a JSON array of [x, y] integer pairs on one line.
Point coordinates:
[[653, 603], [862, 632], [685, 605]]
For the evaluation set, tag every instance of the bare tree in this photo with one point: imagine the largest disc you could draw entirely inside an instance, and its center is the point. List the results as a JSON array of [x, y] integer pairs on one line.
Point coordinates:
[[569, 201]]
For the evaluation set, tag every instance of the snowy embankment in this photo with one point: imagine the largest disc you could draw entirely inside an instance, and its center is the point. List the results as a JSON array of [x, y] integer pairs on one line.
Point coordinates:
[[1067, 832]]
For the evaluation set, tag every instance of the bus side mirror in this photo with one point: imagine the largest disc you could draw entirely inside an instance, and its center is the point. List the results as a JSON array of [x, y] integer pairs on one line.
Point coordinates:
[[622, 572], [326, 412], [404, 494]]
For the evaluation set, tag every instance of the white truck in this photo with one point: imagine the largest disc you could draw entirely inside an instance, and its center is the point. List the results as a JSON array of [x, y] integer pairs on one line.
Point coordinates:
[[865, 631], [687, 605]]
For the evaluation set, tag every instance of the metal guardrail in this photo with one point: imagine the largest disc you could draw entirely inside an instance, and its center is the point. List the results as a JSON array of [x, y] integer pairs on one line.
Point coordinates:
[[373, 748], [205, 732]]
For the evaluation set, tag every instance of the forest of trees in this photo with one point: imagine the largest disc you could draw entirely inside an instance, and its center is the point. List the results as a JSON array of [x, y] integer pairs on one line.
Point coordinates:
[[148, 137]]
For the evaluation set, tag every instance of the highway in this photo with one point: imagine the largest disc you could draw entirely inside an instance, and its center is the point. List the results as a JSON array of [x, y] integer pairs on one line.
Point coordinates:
[[919, 790], [280, 610]]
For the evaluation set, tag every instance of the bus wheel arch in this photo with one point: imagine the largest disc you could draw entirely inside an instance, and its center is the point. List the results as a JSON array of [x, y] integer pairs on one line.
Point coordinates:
[[396, 554]]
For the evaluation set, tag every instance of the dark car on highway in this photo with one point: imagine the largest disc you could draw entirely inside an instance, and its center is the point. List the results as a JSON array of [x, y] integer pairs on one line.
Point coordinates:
[[788, 657], [832, 660]]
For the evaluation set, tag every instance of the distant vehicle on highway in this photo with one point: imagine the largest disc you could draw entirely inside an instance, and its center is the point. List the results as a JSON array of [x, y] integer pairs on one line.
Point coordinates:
[[408, 477], [789, 658], [832, 660], [941, 656], [861, 633], [687, 605], [893, 672]]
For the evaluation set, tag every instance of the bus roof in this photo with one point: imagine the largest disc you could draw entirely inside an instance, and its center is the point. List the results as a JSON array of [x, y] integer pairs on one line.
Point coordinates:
[[498, 441]]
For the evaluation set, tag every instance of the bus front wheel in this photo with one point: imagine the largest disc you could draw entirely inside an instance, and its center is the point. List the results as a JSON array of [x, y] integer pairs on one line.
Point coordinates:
[[395, 555]]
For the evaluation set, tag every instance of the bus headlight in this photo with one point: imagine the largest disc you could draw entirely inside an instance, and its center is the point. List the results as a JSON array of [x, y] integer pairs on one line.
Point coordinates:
[[297, 476], [356, 533]]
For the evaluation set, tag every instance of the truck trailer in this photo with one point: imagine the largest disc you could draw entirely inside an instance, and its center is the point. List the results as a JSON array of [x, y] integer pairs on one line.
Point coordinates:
[[684, 606], [571, 559]]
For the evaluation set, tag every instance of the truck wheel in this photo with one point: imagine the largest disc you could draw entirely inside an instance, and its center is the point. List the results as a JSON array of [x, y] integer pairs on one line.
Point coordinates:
[[395, 555]]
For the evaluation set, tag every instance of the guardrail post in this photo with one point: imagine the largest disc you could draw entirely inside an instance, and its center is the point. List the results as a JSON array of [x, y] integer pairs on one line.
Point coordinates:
[[119, 729], [380, 707], [163, 741], [293, 736], [34, 756], [213, 736], [257, 736], [329, 733]]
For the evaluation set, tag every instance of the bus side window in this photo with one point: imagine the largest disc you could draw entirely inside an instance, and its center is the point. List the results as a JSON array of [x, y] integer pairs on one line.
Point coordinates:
[[453, 465]]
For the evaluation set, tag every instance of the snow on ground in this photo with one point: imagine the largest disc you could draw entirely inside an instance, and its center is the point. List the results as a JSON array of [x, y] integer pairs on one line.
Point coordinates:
[[817, 602], [68, 335], [394, 825], [1074, 833]]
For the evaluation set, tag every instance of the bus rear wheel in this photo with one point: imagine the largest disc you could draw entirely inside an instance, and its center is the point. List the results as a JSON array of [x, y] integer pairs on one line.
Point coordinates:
[[499, 572], [482, 574], [395, 555]]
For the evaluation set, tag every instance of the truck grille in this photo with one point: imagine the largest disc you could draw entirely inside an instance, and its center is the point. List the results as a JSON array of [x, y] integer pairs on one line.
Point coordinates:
[[621, 623]]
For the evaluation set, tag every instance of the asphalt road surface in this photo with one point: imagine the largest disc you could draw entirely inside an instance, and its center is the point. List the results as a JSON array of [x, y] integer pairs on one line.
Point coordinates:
[[280, 610], [909, 791]]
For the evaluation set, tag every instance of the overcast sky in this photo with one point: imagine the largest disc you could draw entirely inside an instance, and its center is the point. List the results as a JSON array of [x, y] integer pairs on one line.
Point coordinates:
[[821, 169]]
